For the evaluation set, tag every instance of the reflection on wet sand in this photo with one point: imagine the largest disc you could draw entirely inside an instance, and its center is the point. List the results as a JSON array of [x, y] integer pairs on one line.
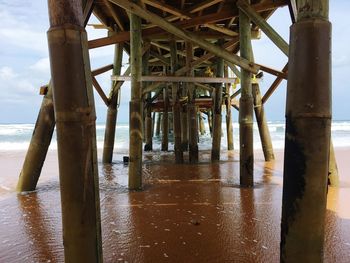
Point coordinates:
[[186, 213]]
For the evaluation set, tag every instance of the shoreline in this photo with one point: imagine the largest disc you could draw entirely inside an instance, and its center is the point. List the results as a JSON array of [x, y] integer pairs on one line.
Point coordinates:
[[11, 162]]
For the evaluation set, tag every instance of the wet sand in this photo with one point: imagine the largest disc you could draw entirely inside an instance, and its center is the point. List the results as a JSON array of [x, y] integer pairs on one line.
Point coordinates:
[[186, 213]]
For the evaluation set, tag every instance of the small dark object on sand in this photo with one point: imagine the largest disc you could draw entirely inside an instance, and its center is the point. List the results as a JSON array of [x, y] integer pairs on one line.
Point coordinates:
[[195, 222], [126, 160]]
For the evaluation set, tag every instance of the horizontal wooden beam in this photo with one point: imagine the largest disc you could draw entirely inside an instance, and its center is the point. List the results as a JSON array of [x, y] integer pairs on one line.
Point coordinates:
[[201, 103], [204, 87], [177, 79], [272, 71], [101, 70], [152, 87]]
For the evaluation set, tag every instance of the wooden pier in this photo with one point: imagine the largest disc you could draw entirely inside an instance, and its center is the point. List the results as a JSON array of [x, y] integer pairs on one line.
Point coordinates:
[[186, 57]]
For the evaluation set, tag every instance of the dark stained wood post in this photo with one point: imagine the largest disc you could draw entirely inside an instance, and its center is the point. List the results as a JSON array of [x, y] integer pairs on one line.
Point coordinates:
[[165, 120], [112, 109], [229, 127], [184, 115], [76, 132], [153, 123], [215, 150], [246, 106], [210, 121], [159, 119], [191, 109], [260, 116], [135, 121], [176, 105], [39, 145], [184, 127], [171, 116], [148, 114], [307, 140]]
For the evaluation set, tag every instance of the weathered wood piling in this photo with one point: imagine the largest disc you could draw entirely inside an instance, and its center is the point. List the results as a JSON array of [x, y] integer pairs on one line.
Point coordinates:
[[148, 107], [176, 106], [165, 120], [159, 119], [308, 127], [246, 107], [216, 142], [112, 109], [191, 109], [229, 126], [261, 120], [39, 145], [135, 105], [76, 134]]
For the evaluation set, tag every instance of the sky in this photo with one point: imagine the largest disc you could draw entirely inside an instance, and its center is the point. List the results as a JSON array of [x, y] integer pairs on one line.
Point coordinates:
[[24, 61]]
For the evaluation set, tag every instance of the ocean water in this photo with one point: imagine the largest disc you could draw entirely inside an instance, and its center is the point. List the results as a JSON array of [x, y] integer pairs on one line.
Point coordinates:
[[17, 136]]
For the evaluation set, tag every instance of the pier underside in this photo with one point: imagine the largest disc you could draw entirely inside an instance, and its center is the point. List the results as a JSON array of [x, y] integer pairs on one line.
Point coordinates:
[[186, 59]]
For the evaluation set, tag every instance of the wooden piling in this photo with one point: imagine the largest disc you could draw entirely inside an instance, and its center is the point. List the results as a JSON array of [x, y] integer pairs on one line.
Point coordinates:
[[39, 145], [153, 123], [135, 121], [216, 142], [307, 140], [176, 105], [210, 121], [246, 106], [76, 132], [191, 109], [229, 127], [333, 175], [171, 117], [264, 132], [184, 128], [184, 121], [112, 110], [159, 119], [165, 120], [148, 114]]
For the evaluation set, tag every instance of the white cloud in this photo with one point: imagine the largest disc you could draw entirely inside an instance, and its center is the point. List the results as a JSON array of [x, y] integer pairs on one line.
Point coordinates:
[[15, 87], [17, 34], [6, 73], [42, 65]]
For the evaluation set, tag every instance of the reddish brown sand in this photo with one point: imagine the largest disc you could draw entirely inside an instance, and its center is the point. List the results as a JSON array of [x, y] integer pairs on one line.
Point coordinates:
[[186, 213]]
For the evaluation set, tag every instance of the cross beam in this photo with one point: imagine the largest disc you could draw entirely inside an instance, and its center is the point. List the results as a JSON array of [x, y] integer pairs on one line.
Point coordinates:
[[177, 79], [162, 23]]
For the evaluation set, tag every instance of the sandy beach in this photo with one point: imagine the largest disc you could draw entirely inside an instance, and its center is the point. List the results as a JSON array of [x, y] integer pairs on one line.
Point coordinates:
[[188, 213]]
